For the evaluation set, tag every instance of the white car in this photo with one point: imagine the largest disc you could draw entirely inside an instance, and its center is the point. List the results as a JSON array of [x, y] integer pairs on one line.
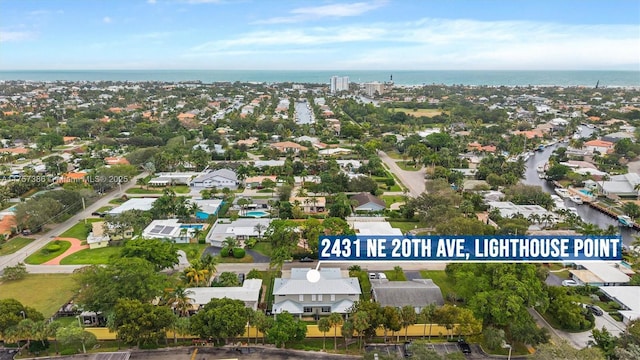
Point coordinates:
[[569, 283]]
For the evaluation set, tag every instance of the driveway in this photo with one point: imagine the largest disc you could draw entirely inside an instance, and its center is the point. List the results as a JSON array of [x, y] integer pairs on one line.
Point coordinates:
[[413, 180], [257, 257], [553, 280], [412, 275]]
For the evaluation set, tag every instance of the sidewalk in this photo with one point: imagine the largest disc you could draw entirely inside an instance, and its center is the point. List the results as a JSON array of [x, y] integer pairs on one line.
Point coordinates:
[[76, 245]]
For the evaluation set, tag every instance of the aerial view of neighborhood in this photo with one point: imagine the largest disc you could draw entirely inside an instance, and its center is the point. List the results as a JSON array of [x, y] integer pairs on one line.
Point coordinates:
[[203, 214]]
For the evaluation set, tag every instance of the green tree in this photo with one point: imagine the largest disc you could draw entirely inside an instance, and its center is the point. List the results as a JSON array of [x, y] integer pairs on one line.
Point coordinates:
[[408, 317], [493, 337], [162, 254], [228, 279], [17, 272], [141, 323], [220, 319], [12, 312], [124, 278], [360, 320], [563, 350], [390, 320], [427, 316], [324, 325], [286, 328], [76, 335], [335, 320]]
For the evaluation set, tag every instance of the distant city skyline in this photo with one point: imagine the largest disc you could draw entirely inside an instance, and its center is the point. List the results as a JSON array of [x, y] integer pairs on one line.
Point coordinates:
[[320, 35]]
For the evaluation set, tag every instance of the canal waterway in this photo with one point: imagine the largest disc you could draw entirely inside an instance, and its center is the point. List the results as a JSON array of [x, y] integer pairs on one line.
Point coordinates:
[[586, 212]]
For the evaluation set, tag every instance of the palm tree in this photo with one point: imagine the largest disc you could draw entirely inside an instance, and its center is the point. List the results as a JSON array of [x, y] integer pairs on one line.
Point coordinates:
[[335, 320], [229, 243], [324, 325], [360, 324], [179, 299], [196, 274], [195, 208], [259, 228], [407, 317]]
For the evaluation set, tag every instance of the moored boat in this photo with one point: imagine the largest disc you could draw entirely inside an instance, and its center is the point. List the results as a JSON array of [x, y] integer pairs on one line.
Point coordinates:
[[563, 193], [576, 199], [625, 220]]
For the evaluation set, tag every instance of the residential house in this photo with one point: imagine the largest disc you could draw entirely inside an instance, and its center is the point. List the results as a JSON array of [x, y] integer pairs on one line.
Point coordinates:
[[367, 202], [240, 229], [72, 177], [98, 238], [143, 204], [310, 204], [116, 160], [249, 293], [207, 207], [253, 182], [417, 293], [627, 297], [600, 146], [171, 229], [334, 292], [288, 146], [220, 179], [620, 185], [600, 273], [172, 178], [508, 209]]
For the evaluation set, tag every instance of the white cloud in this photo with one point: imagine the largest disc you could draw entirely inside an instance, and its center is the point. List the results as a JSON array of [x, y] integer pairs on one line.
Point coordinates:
[[445, 44], [331, 10], [15, 36], [106, 20]]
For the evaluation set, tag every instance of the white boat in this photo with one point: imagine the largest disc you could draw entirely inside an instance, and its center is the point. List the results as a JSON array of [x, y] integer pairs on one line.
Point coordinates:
[[576, 199], [563, 193], [625, 220], [542, 167]]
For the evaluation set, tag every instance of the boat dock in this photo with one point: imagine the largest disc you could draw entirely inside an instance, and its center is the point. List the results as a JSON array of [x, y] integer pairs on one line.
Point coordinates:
[[610, 213]]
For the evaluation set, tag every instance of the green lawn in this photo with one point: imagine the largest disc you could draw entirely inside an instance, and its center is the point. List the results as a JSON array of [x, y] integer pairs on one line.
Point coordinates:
[[117, 201], [44, 292], [42, 256], [14, 245], [231, 260], [267, 281], [263, 248], [421, 112], [138, 190], [80, 230], [390, 199], [393, 275], [193, 251], [406, 226], [104, 208], [181, 189], [91, 257], [407, 166], [440, 278]]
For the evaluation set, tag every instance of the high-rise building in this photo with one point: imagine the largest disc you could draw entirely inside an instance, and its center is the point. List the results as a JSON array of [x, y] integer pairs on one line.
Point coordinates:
[[339, 83]]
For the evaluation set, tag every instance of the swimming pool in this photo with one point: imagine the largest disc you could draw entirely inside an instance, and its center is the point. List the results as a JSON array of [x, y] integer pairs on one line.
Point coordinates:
[[256, 213], [192, 226], [586, 192]]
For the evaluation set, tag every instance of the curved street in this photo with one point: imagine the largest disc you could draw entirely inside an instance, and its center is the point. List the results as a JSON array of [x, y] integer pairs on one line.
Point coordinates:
[[412, 180]]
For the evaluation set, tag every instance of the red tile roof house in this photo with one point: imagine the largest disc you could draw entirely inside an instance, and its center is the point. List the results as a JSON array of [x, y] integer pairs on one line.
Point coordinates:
[[116, 161], [600, 146]]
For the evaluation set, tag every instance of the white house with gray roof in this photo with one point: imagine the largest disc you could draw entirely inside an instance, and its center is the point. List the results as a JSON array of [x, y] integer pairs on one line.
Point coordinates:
[[418, 293], [220, 179], [335, 292]]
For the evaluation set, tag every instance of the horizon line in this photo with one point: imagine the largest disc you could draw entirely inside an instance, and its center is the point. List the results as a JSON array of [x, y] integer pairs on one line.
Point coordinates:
[[323, 70]]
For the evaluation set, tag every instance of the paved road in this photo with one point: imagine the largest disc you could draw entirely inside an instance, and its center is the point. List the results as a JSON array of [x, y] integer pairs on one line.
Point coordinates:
[[412, 180], [42, 239]]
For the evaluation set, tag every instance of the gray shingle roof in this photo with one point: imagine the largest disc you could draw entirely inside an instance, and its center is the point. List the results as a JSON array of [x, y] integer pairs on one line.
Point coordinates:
[[417, 293]]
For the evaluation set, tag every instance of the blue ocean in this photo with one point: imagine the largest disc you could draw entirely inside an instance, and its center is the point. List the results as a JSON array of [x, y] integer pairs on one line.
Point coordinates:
[[400, 77]]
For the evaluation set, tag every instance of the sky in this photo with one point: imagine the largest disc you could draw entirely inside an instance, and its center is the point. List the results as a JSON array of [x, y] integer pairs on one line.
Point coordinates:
[[320, 34]]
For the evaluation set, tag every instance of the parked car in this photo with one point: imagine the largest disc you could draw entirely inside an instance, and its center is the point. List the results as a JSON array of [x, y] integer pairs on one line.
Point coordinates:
[[464, 347], [373, 276], [595, 310], [569, 283], [306, 259]]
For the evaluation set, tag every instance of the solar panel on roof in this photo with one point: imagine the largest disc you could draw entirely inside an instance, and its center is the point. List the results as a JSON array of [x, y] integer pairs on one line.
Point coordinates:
[[157, 228], [167, 230]]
